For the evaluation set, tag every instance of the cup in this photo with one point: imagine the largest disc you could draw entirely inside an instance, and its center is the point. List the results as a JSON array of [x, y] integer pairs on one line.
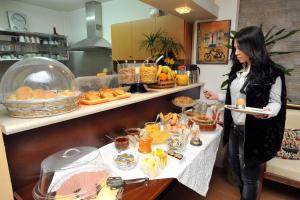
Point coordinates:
[[241, 101], [22, 38], [121, 142]]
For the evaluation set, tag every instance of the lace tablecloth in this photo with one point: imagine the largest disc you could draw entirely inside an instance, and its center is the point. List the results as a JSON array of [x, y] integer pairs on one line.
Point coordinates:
[[193, 171]]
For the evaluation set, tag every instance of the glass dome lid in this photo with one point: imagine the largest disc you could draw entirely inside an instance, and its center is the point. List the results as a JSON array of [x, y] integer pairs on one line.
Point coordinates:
[[75, 173], [38, 80]]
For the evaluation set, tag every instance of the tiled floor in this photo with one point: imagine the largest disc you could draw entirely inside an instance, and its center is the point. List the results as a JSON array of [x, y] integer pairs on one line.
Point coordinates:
[[221, 189]]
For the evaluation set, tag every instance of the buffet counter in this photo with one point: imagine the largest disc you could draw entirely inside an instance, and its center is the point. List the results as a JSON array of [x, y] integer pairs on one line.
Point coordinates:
[[26, 142], [11, 125]]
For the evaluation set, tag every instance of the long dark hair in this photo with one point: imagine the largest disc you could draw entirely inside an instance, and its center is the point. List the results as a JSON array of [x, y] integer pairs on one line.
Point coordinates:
[[252, 42]]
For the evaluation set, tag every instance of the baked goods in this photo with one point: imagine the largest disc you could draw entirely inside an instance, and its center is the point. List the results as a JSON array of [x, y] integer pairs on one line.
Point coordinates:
[[28, 93], [183, 101], [103, 95], [24, 93]]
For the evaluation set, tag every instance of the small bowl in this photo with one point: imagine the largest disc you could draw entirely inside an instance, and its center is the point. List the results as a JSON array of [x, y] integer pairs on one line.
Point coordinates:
[[126, 160], [121, 142], [132, 131]]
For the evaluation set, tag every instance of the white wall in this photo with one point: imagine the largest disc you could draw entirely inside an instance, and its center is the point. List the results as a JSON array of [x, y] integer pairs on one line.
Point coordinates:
[[115, 11], [39, 19], [211, 74]]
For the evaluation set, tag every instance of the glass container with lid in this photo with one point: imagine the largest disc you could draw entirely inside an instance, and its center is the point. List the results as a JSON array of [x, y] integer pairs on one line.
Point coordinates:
[[38, 87], [76, 173], [182, 77]]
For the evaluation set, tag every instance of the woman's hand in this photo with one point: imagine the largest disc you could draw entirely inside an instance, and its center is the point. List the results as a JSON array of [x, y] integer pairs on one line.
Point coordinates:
[[262, 116], [210, 95]]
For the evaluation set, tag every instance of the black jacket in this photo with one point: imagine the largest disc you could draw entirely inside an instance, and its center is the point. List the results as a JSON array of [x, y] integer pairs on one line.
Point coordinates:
[[263, 137]]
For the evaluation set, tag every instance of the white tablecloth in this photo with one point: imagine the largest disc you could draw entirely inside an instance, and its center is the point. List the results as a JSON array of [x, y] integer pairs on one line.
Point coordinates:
[[193, 171]]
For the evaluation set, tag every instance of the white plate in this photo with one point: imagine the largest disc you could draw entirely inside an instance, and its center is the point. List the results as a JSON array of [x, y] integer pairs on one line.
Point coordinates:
[[248, 110]]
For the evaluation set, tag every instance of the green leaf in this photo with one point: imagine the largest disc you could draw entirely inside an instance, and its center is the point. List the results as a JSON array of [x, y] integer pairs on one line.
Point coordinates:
[[281, 52], [224, 83], [282, 37], [269, 32]]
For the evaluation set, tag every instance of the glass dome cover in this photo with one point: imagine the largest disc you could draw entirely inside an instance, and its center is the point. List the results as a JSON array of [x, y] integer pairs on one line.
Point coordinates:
[[75, 173], [43, 83]]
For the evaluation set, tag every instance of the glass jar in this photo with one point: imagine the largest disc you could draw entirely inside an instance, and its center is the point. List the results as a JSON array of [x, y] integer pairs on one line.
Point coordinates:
[[148, 73], [128, 73], [145, 144], [182, 77]]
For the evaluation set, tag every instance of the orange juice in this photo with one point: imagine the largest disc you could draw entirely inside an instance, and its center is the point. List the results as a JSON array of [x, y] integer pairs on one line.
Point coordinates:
[[182, 79]]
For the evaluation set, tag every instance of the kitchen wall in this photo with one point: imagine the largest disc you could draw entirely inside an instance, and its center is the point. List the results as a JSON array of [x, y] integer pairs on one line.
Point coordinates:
[[211, 74], [39, 19], [115, 11]]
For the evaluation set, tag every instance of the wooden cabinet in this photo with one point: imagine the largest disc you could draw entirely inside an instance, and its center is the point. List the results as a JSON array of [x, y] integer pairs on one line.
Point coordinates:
[[121, 42], [139, 28], [126, 37]]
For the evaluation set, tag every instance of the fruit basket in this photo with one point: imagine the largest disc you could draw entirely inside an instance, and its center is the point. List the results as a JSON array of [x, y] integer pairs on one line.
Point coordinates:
[[38, 87], [166, 78]]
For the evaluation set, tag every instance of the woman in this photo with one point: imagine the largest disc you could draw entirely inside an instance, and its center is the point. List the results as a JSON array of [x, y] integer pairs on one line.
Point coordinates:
[[253, 139]]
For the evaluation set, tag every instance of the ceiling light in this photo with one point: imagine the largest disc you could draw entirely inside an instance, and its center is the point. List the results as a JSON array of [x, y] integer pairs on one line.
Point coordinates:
[[183, 10]]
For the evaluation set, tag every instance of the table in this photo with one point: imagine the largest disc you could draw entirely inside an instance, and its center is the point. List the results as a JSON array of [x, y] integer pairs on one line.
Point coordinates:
[[194, 171]]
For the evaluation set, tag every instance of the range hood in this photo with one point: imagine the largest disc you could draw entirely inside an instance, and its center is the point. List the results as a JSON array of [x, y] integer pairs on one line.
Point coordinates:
[[94, 40]]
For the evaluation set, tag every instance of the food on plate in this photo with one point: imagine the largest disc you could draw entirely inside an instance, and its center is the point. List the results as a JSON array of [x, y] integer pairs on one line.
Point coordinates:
[[174, 128], [171, 118], [39, 94], [119, 91], [150, 166], [103, 95], [183, 101], [126, 160], [159, 137], [91, 95], [106, 93], [86, 185]]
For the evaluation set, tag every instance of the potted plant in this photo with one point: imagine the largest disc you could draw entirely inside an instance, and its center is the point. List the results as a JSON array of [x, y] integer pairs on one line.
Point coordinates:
[[159, 43]]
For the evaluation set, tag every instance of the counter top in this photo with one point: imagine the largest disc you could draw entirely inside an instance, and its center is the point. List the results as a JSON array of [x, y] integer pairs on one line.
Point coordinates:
[[10, 125]]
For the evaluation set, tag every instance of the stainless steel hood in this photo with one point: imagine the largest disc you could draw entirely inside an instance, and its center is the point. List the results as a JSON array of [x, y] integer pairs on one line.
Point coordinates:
[[94, 40]]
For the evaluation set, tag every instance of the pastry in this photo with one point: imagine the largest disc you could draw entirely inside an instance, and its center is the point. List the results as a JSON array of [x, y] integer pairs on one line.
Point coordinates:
[[106, 93], [118, 91], [91, 95], [50, 94], [23, 93], [39, 94]]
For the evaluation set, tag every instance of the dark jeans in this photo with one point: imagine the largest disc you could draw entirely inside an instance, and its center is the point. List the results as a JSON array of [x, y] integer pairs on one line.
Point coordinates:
[[248, 176]]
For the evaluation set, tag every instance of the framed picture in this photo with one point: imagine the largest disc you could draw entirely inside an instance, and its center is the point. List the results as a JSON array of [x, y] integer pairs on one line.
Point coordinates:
[[212, 41], [17, 21]]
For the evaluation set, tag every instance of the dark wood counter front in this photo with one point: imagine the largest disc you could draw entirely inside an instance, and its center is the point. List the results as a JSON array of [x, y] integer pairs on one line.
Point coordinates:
[[26, 150]]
